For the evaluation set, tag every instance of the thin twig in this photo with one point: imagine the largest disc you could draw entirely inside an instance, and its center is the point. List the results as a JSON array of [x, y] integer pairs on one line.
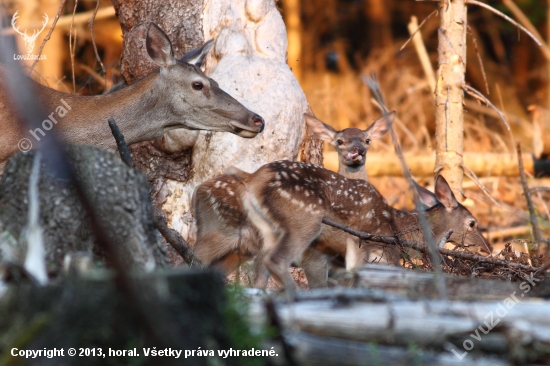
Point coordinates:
[[524, 20], [180, 245], [373, 85], [172, 237], [470, 173], [422, 247], [488, 7], [47, 38], [418, 29], [93, 42], [537, 235], [72, 47], [476, 94], [123, 149], [539, 189], [479, 60]]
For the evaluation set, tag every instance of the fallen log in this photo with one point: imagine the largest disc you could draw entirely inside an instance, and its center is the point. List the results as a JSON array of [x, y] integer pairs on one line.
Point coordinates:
[[324, 351], [415, 285], [515, 328], [482, 164]]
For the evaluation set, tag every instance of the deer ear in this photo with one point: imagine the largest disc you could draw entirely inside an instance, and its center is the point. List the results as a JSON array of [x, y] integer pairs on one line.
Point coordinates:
[[196, 57], [444, 193], [320, 129], [381, 126], [159, 47], [427, 198]]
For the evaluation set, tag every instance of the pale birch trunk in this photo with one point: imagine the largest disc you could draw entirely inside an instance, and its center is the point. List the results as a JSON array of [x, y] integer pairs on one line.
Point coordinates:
[[449, 130]]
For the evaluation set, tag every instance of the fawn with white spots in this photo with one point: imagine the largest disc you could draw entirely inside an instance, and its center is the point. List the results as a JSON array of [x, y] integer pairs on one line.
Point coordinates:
[[225, 236], [287, 201]]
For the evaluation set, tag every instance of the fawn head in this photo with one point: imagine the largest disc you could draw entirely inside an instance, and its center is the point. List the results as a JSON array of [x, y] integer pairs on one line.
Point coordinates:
[[350, 143], [445, 212]]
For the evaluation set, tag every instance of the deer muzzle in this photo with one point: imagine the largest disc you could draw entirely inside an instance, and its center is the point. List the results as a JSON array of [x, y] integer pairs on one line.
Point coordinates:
[[255, 125]]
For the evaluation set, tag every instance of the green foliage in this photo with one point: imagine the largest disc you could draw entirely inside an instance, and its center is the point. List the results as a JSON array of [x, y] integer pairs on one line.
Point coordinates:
[[240, 333], [531, 8]]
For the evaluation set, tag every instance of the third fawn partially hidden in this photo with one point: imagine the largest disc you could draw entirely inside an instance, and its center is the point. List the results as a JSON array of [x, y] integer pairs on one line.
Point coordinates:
[[286, 201], [225, 236]]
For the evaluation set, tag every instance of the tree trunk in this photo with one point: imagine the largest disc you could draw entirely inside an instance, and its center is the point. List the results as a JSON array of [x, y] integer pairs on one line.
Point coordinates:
[[449, 130], [248, 61]]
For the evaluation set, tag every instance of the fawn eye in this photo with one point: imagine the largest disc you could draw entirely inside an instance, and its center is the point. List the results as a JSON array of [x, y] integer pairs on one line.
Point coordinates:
[[472, 224], [339, 142], [197, 85], [367, 142]]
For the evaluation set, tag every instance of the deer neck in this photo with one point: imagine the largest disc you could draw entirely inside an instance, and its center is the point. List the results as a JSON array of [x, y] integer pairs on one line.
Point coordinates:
[[86, 120], [352, 172]]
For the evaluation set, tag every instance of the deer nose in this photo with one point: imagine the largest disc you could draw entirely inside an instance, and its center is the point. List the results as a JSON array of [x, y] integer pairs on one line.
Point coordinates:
[[259, 122], [359, 150]]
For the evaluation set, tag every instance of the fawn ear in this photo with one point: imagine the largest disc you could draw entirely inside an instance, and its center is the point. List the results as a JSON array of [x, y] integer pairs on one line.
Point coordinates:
[[427, 198], [320, 129], [159, 47], [196, 57], [444, 193], [381, 126]]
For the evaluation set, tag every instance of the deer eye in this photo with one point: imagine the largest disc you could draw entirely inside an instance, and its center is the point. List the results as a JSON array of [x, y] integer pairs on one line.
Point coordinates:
[[197, 85], [472, 224], [339, 142], [367, 142]]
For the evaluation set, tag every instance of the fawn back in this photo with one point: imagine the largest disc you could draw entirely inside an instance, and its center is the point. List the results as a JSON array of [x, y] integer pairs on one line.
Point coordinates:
[[225, 237], [287, 201]]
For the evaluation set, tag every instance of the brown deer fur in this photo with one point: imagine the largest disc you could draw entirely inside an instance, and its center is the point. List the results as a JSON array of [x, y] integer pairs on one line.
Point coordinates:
[[286, 201]]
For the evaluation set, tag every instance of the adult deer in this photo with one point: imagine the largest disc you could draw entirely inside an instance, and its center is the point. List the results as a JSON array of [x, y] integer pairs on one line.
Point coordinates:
[[287, 201], [177, 95], [225, 236]]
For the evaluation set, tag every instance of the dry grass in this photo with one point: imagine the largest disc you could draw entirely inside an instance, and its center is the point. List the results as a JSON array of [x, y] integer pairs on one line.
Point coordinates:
[[342, 100]]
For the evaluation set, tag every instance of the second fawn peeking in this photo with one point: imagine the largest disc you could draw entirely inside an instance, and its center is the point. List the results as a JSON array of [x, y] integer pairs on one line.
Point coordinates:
[[286, 202], [225, 236]]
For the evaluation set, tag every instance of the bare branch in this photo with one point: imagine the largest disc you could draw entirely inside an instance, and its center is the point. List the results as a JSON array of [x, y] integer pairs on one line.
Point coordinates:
[[476, 94], [73, 46], [488, 7], [418, 29], [537, 235], [373, 85], [524, 20], [470, 173], [47, 38], [93, 42], [479, 60], [422, 247]]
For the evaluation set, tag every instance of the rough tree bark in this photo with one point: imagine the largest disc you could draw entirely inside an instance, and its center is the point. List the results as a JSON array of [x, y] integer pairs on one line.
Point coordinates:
[[449, 130], [120, 194]]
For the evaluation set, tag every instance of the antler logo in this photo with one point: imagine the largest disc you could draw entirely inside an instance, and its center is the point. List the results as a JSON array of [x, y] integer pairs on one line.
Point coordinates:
[[29, 40]]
